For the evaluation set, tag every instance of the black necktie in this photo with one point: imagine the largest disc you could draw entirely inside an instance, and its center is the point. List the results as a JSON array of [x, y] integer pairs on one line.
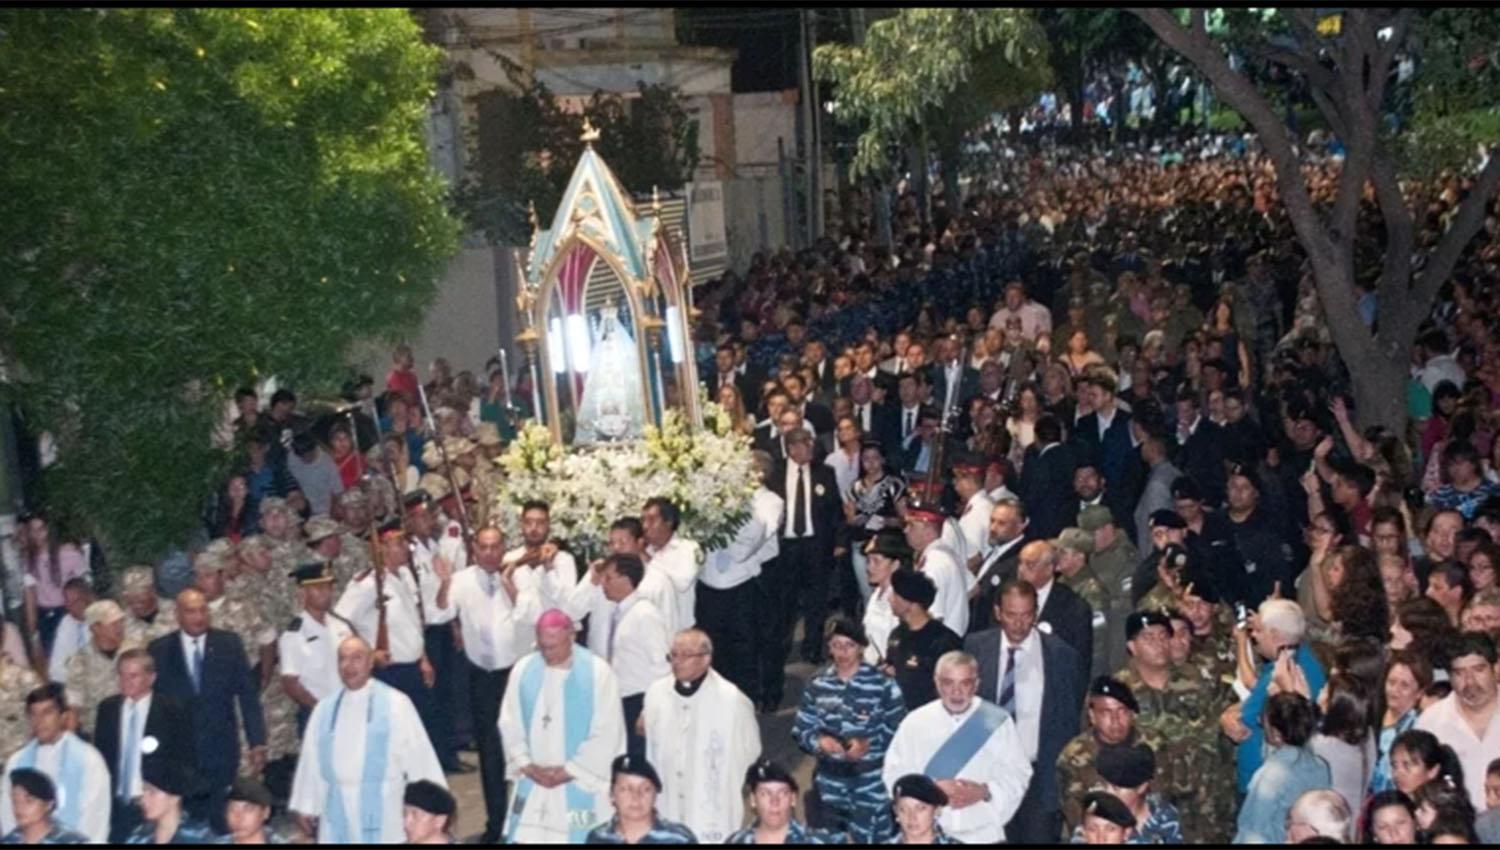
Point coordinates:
[[906, 430], [799, 521]]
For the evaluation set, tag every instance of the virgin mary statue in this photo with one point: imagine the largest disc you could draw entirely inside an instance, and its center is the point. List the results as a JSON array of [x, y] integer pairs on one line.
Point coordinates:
[[612, 407]]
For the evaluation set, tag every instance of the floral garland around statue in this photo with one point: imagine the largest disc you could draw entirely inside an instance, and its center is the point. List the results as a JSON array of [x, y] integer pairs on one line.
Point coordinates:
[[708, 473]]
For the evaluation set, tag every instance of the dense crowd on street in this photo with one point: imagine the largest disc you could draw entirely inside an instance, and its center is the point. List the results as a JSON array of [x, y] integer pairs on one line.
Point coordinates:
[[1062, 497]]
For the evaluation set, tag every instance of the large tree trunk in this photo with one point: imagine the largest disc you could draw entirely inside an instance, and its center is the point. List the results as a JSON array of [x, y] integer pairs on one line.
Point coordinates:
[[880, 198], [1380, 392]]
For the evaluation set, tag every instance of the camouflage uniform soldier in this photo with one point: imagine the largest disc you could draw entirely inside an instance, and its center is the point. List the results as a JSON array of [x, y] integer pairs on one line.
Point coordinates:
[[1112, 711], [90, 672], [1114, 561], [147, 616], [15, 683], [486, 473], [1073, 548], [327, 540], [1182, 713], [1210, 662]]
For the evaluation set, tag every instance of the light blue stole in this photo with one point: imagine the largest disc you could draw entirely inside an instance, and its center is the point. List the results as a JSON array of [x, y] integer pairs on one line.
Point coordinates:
[[578, 717], [965, 741], [371, 781], [70, 783]]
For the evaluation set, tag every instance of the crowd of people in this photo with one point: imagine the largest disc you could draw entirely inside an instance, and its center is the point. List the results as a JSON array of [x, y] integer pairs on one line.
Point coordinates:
[[1061, 497]]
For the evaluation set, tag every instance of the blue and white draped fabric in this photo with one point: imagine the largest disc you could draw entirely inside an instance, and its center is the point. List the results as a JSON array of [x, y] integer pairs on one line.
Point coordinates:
[[578, 718], [375, 751], [69, 781], [965, 741]]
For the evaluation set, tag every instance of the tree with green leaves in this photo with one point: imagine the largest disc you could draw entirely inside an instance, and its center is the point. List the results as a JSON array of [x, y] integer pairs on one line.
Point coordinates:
[[928, 76], [1344, 62], [194, 198]]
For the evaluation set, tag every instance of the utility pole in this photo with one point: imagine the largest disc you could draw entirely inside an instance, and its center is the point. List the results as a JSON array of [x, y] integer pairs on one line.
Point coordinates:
[[811, 148]]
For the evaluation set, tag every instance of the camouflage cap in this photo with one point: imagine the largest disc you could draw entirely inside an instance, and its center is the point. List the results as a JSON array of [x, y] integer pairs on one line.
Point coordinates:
[[436, 486], [321, 526], [456, 446], [487, 434], [1075, 540], [1094, 517], [354, 496], [138, 579], [103, 611], [271, 504], [432, 458], [253, 542]]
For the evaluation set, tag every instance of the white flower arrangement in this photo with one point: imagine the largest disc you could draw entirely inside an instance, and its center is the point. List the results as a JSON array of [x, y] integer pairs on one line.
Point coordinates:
[[708, 473]]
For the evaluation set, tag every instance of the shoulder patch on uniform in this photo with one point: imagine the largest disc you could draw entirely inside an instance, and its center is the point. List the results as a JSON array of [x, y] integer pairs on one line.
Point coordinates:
[[294, 625]]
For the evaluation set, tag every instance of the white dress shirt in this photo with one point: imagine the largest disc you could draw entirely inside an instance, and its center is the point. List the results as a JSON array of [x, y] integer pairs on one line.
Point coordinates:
[[863, 414], [679, 563], [845, 470], [553, 584], [974, 522], [403, 625], [1475, 753], [311, 652], [193, 646], [757, 541], [450, 545], [941, 564], [71, 635], [1030, 680], [142, 711], [496, 630], [793, 471], [638, 652]]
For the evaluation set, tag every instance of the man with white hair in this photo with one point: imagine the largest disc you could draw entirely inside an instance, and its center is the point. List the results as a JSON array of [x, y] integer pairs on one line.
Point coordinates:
[[1321, 812], [970, 747], [1276, 630]]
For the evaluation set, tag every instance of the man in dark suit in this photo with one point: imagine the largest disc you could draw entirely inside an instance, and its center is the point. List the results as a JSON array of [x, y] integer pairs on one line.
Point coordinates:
[[149, 715], [812, 537], [1106, 435], [815, 356], [1007, 536], [1036, 678], [947, 372], [728, 375], [1064, 614], [820, 416], [205, 669], [1200, 448], [880, 421], [1047, 481]]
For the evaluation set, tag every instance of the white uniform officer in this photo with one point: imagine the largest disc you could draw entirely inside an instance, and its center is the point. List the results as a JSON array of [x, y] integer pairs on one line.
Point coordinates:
[[309, 647]]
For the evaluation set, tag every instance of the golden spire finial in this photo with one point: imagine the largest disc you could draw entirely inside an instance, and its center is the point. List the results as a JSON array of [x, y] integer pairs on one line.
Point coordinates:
[[655, 200], [535, 223], [590, 133]]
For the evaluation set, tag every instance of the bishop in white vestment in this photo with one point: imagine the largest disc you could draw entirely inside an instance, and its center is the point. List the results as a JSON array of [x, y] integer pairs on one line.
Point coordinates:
[[364, 743], [970, 747], [701, 736], [562, 727]]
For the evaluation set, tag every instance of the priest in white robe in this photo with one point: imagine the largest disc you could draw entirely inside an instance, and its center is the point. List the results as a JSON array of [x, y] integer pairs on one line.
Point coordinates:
[[73, 765], [363, 745], [970, 748], [562, 727], [701, 735]]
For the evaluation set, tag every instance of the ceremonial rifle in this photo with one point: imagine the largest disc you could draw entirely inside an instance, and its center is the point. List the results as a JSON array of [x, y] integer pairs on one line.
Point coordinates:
[[935, 463]]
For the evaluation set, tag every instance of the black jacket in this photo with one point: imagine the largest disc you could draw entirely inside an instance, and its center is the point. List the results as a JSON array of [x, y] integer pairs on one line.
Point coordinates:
[[993, 572], [227, 685], [1062, 701], [1047, 490], [1071, 618], [829, 528], [165, 722]]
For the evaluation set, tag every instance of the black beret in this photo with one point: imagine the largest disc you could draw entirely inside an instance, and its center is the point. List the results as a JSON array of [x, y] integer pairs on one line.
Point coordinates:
[[919, 787], [1246, 472], [1166, 519], [765, 770], [630, 765], [1126, 767], [249, 790], [890, 543], [913, 586], [1184, 487], [845, 627], [1141, 619], [167, 774], [35, 783], [430, 797], [1109, 686], [1101, 804]]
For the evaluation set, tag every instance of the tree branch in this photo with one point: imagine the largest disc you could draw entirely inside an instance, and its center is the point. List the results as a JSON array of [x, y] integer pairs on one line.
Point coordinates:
[[1395, 276], [1465, 224], [1241, 94]]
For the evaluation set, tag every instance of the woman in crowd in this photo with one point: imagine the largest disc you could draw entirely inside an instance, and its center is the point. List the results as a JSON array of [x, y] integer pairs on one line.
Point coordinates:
[[1080, 355], [1407, 675], [47, 564], [1289, 770], [1390, 818], [1345, 738], [1442, 800], [350, 463], [733, 404], [233, 516], [1236, 355], [1417, 757], [1423, 623], [871, 505], [1482, 563]]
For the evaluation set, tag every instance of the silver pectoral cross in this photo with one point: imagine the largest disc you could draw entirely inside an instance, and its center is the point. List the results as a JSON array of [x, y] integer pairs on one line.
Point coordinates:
[[546, 720]]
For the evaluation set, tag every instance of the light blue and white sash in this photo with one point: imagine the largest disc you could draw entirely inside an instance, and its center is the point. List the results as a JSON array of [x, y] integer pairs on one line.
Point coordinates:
[[578, 718], [70, 767], [372, 779], [966, 741]]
